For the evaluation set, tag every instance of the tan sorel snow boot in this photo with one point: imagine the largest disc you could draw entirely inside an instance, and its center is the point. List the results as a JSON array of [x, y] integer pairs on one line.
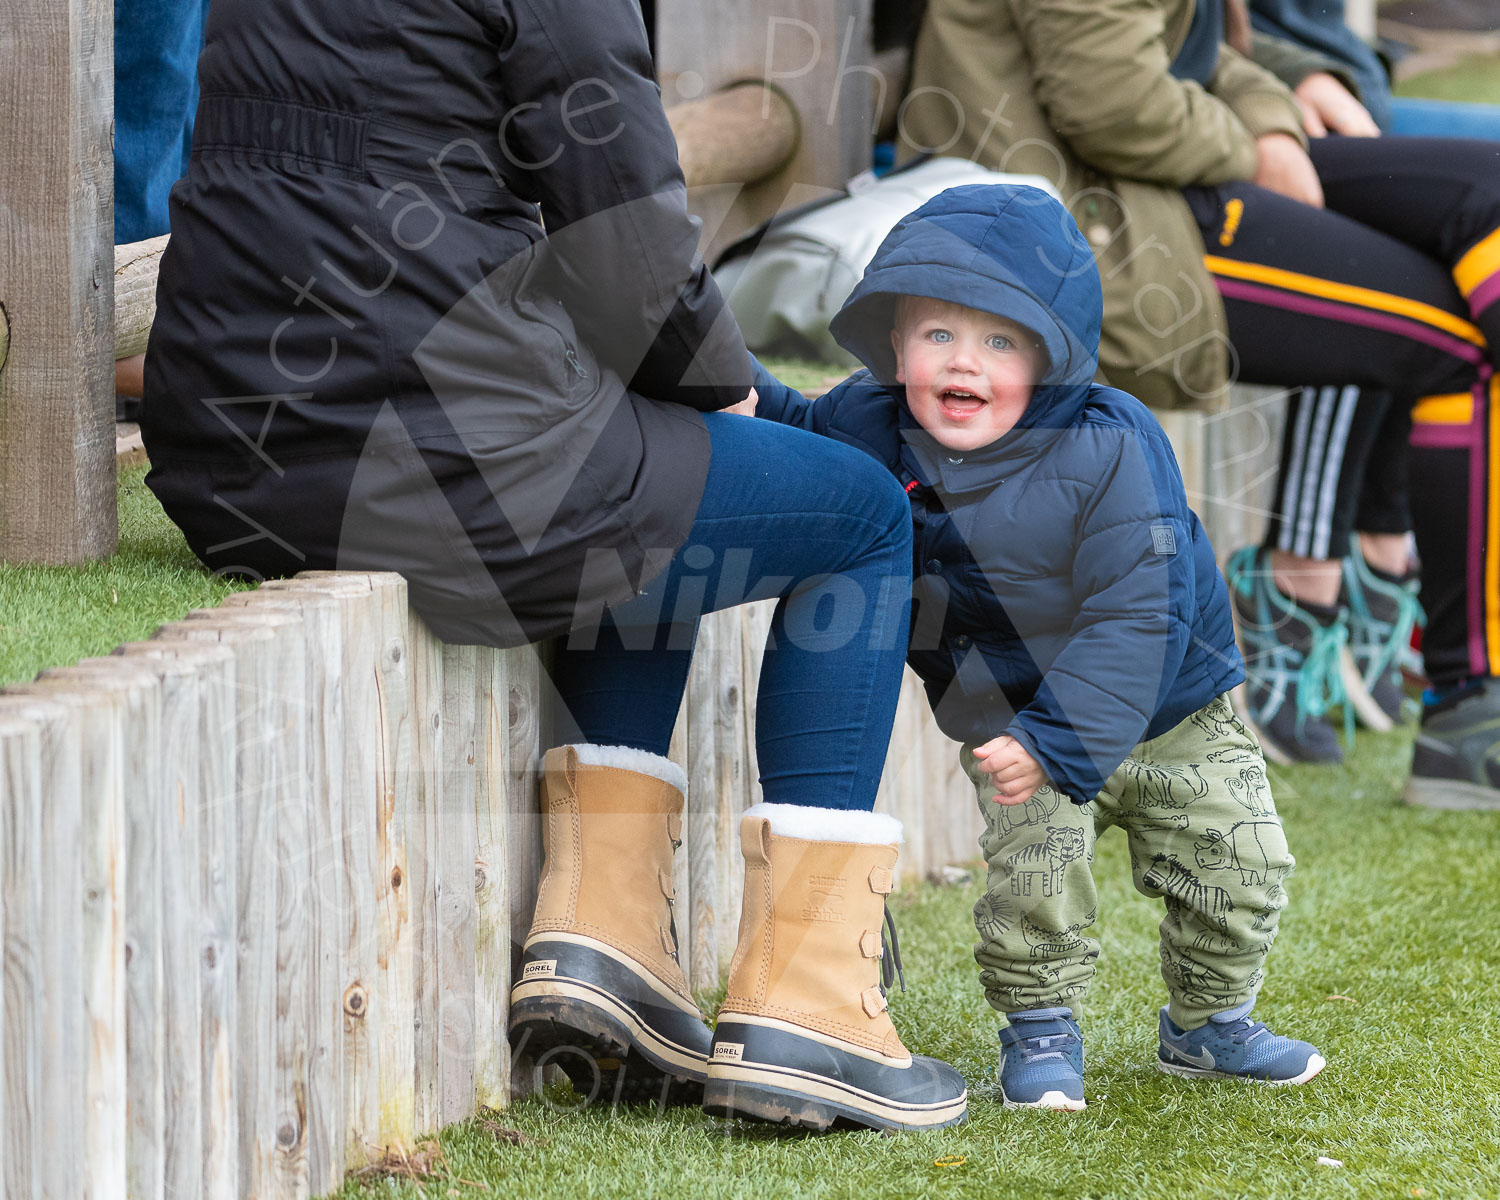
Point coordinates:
[[601, 993], [803, 1037]]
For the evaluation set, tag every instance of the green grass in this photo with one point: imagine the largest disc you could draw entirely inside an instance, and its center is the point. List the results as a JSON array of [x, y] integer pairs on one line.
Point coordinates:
[[53, 616], [1474, 80], [1394, 908]]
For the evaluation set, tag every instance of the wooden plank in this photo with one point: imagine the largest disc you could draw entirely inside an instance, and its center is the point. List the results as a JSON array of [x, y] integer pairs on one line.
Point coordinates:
[[104, 914], [56, 291], [816, 51], [208, 919], [318, 861], [698, 918], [454, 863], [422, 848], [732, 745], [176, 759], [360, 610], [263, 644], [523, 671], [393, 1000], [492, 886], [39, 744]]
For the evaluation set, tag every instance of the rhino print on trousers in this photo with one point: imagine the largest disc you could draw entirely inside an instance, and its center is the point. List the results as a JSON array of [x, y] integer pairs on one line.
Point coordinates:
[[1253, 848]]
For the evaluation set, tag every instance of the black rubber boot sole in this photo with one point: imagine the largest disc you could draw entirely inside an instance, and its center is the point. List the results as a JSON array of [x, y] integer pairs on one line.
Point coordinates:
[[733, 1098], [598, 1054]]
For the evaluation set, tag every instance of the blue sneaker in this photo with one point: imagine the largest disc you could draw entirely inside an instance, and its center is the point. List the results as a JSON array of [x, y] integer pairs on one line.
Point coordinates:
[[1041, 1060], [1232, 1046]]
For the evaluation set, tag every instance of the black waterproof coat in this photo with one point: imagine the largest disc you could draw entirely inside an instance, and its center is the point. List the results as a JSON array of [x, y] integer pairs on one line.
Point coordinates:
[[368, 354], [1065, 592]]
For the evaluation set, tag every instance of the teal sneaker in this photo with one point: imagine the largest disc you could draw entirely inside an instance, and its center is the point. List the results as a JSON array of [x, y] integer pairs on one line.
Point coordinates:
[[1041, 1060], [1292, 676], [1382, 614], [1232, 1046], [1456, 760]]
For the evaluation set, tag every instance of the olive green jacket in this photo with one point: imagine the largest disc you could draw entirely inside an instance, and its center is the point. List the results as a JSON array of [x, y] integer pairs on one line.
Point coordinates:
[[1079, 91]]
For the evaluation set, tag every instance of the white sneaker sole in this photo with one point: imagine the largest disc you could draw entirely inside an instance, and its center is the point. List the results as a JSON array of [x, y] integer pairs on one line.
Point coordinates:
[[1315, 1064], [1055, 1101], [1454, 795]]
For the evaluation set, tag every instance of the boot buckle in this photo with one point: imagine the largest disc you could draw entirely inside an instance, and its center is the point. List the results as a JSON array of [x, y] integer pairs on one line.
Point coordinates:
[[873, 1000], [870, 944]]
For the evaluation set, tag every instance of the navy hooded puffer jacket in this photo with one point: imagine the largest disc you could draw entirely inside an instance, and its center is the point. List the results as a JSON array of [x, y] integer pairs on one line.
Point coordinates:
[[1064, 591]]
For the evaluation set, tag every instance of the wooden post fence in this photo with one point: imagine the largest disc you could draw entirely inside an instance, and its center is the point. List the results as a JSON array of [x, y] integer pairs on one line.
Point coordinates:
[[268, 874]]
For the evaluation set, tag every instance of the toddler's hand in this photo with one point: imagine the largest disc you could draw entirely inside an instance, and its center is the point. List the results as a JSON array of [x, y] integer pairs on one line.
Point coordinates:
[[1015, 773], [746, 407]]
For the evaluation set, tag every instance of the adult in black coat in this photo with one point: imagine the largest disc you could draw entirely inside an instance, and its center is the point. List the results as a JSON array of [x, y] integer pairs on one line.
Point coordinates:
[[433, 304]]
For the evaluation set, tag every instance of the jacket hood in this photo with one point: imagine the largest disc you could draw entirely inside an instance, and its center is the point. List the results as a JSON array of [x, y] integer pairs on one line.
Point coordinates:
[[1006, 249]]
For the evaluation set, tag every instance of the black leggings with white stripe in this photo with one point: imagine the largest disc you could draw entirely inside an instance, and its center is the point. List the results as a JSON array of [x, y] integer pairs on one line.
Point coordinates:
[[1343, 467], [1386, 299]]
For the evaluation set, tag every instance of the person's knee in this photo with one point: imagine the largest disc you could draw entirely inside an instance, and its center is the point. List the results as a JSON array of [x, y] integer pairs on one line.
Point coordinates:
[[887, 505]]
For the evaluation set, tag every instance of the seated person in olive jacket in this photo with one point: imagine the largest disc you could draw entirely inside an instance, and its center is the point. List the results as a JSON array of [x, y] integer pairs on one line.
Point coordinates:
[[1072, 631]]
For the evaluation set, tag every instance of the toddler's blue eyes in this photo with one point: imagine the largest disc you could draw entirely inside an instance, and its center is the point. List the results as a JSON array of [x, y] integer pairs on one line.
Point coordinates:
[[1000, 343], [941, 335]]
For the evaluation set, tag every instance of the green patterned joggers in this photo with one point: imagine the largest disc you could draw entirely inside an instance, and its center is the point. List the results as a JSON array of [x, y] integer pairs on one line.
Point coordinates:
[[1204, 838]]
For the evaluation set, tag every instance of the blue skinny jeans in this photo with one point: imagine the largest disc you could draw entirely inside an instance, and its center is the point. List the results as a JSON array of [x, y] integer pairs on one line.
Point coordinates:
[[787, 514]]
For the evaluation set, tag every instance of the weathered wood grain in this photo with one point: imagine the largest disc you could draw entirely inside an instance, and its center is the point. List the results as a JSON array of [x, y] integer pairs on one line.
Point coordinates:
[[457, 816], [264, 762], [731, 750], [698, 919], [492, 886], [56, 281], [136, 268], [40, 740], [319, 862], [103, 1030], [359, 608], [523, 671], [422, 851], [175, 759], [207, 918]]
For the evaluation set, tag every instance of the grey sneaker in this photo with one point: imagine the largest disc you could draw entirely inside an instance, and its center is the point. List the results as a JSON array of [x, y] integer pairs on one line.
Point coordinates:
[[1292, 675], [1382, 614], [1456, 761]]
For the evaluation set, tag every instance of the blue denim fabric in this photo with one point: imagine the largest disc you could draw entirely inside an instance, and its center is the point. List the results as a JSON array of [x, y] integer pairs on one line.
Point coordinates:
[[1445, 118], [156, 94], [784, 513]]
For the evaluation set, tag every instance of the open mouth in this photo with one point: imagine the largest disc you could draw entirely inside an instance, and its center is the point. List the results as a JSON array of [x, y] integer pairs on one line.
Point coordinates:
[[959, 404]]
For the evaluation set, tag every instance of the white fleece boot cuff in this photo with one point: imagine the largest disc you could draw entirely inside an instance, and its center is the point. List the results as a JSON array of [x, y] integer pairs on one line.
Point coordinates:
[[829, 824], [627, 758]]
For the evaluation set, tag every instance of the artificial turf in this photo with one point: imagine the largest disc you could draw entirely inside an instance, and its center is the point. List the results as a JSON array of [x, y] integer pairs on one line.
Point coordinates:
[[1386, 960], [53, 616]]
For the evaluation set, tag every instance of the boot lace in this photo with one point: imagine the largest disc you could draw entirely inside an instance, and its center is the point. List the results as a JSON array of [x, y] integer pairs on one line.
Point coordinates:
[[890, 955], [672, 912]]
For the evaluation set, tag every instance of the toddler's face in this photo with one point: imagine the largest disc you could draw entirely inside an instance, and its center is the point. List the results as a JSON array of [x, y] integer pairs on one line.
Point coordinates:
[[968, 374]]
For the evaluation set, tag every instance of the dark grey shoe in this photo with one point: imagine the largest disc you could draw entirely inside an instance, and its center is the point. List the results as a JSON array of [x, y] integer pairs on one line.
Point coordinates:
[[1456, 761], [1292, 673]]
